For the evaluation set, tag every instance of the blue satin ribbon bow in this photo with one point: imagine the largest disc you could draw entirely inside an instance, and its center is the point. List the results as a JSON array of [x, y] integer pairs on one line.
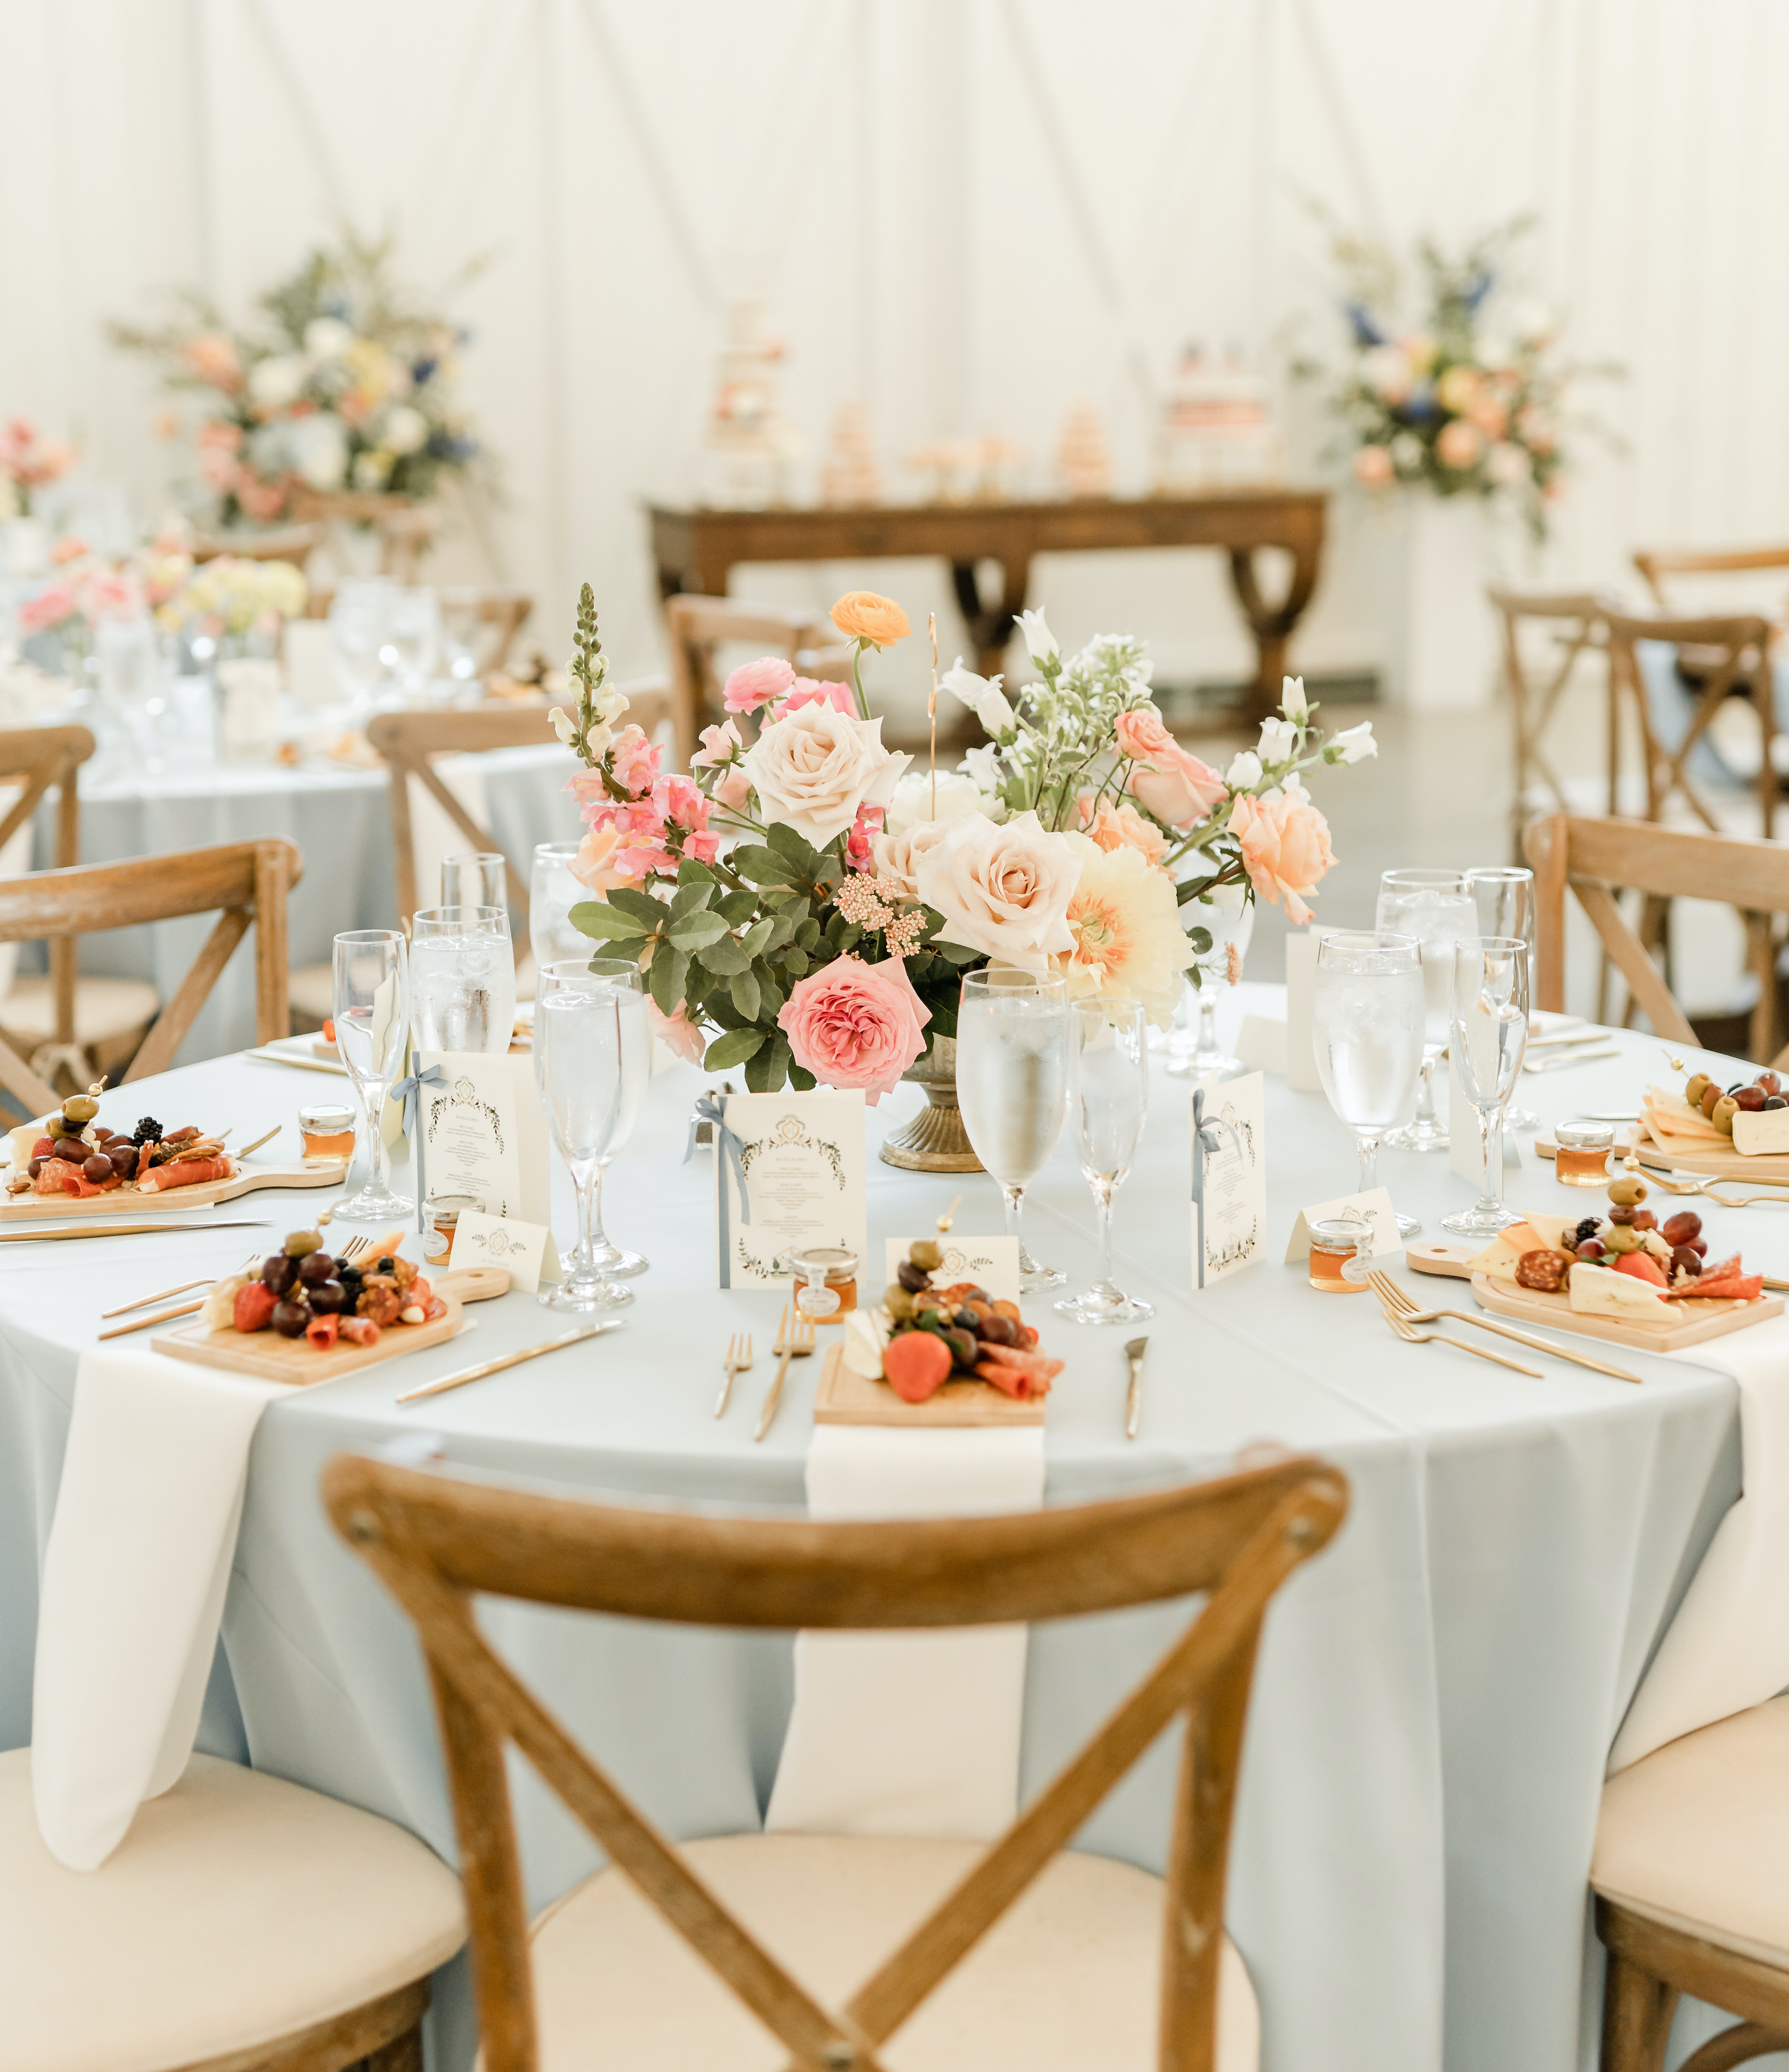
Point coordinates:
[[409, 1092], [1205, 1138], [711, 1108]]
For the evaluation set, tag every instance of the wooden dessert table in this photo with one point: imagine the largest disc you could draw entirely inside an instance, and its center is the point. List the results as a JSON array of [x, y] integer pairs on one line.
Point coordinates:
[[695, 550]]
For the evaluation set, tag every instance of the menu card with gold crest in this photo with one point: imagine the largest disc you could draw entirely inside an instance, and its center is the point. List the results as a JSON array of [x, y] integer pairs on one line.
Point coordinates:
[[791, 1178]]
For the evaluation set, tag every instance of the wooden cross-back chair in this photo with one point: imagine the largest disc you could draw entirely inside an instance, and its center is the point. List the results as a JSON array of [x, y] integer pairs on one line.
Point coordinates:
[[410, 741], [1597, 859], [1577, 620], [293, 544], [1656, 563], [501, 613], [1733, 657], [696, 626], [437, 1540], [249, 881]]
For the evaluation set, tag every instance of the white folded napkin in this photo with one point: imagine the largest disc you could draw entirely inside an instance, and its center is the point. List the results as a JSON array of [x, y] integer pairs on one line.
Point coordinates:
[[134, 1577], [909, 1733]]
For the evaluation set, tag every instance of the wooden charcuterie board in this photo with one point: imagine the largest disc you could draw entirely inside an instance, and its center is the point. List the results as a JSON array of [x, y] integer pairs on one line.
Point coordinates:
[[1683, 1324], [271, 1358], [130, 1200], [844, 1397]]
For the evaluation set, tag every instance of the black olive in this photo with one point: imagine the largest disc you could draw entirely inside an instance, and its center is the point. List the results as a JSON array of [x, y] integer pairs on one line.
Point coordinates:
[[289, 1319], [965, 1319], [1774, 1101], [963, 1347], [911, 1277], [278, 1273], [386, 1266], [316, 1266]]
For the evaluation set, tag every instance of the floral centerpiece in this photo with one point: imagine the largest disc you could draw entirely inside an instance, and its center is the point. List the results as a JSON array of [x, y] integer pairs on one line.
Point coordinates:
[[805, 904], [1467, 397], [341, 384], [28, 462], [227, 597]]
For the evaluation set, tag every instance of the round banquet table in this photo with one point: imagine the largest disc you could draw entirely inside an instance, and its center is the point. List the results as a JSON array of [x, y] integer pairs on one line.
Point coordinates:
[[1436, 1694], [337, 816]]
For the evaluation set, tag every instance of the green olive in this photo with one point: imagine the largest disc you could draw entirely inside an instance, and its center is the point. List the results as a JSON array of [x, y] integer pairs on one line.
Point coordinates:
[[60, 1125], [926, 1255], [1622, 1237], [1627, 1190], [301, 1243], [1694, 1091], [897, 1302], [80, 1109], [1725, 1110]]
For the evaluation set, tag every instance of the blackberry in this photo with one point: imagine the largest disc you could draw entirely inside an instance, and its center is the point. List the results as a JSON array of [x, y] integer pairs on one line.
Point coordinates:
[[1588, 1228], [148, 1131]]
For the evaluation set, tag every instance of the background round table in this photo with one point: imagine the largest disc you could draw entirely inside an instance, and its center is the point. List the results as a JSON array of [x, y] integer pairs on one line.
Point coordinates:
[[1436, 1696]]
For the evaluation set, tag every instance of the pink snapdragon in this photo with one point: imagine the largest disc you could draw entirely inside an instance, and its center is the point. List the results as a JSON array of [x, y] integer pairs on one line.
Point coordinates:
[[755, 684], [806, 691], [721, 745], [684, 1038], [634, 760], [858, 843]]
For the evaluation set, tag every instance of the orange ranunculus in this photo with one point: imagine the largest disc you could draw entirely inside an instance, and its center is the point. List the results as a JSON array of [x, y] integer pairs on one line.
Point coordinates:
[[860, 615]]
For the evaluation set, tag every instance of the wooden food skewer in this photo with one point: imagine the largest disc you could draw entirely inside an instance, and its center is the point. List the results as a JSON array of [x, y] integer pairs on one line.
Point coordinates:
[[161, 1295], [127, 1230], [143, 1323], [509, 1359], [932, 707], [258, 1142]]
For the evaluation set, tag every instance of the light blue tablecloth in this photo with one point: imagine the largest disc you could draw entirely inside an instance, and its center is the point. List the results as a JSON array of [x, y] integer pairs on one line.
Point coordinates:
[[340, 819], [1436, 1694]]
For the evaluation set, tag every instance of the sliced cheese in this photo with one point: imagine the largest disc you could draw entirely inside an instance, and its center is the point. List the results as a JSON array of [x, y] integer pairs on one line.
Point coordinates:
[[19, 1141], [1601, 1291], [1667, 1115], [1756, 1133]]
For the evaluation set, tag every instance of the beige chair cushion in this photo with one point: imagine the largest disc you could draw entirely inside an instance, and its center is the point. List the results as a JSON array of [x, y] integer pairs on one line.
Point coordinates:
[[237, 1910], [1066, 1982], [105, 1008], [1696, 1835], [310, 989]]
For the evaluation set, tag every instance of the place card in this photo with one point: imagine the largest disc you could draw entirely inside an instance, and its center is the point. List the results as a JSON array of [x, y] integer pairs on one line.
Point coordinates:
[[1229, 1176], [525, 1251], [789, 1175], [1375, 1205], [991, 1263], [1301, 993], [484, 1133]]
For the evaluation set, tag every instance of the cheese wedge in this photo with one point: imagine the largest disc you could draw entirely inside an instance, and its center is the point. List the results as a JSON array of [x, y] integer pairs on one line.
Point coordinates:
[[1757, 1133], [1667, 1115], [1600, 1291]]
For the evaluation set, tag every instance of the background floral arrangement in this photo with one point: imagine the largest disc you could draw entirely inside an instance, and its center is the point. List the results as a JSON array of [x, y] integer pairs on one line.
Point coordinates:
[[1469, 398], [226, 595], [805, 905], [28, 461], [343, 384]]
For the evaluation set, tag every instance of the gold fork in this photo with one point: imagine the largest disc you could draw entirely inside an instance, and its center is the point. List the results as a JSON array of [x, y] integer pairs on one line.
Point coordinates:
[[1412, 1336], [794, 1341], [1391, 1297], [738, 1358], [1707, 1187]]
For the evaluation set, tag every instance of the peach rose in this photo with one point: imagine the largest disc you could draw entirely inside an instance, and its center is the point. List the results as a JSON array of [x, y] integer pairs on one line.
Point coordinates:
[[684, 1038], [755, 684], [1141, 733], [895, 857], [1119, 826], [860, 615], [815, 768], [852, 1024], [1002, 888], [1285, 844], [594, 863], [1177, 787], [1458, 445], [1372, 466]]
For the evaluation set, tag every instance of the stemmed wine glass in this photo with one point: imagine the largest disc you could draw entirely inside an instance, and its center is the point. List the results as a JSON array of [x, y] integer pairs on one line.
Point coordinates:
[[1013, 1032], [1228, 916], [1436, 908], [1109, 1098], [610, 1258], [1488, 1033], [462, 972], [552, 893], [372, 1028], [477, 879], [1504, 895], [1366, 1021], [592, 1061]]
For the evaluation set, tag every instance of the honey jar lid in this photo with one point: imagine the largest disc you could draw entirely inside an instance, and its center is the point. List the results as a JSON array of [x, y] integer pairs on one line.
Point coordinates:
[[325, 1119], [825, 1262], [1584, 1135]]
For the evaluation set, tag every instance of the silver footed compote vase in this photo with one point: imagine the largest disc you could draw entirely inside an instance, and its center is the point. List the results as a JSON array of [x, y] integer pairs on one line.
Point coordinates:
[[935, 1139]]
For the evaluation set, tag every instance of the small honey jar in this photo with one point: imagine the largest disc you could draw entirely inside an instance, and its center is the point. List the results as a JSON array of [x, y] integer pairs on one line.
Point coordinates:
[[441, 1220], [825, 1282], [327, 1129], [1581, 1156], [1341, 1254]]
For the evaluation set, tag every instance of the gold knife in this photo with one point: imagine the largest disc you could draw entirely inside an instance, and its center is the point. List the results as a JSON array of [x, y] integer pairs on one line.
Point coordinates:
[[1134, 1401], [125, 1230]]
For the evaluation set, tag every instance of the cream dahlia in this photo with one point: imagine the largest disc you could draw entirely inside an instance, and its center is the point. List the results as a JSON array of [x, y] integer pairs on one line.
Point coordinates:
[[1126, 928]]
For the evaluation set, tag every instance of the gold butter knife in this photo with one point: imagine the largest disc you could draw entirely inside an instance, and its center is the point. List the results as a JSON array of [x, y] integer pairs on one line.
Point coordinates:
[[1134, 1401]]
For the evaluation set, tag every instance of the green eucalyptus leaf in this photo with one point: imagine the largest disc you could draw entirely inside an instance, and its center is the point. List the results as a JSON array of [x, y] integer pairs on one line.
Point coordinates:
[[695, 931], [724, 956], [718, 1007], [734, 1048], [808, 934], [737, 908], [668, 980], [956, 953], [801, 1078], [607, 924], [690, 872], [794, 960], [759, 866], [771, 994], [691, 899], [651, 910], [745, 995], [756, 938], [796, 847], [1201, 939]]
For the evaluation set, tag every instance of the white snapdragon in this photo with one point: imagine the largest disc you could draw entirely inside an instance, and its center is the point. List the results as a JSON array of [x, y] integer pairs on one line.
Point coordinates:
[[1293, 701], [1244, 773], [983, 695], [1279, 739], [1355, 744], [1041, 643], [983, 765], [564, 725]]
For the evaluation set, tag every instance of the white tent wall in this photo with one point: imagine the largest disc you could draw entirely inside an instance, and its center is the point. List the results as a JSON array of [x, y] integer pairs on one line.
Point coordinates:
[[966, 212]]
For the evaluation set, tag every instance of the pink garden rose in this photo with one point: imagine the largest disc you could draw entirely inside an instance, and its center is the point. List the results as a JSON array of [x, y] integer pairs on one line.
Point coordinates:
[[1285, 844], [1458, 445], [755, 684], [1177, 787], [806, 691], [852, 1024], [679, 1035], [1141, 733]]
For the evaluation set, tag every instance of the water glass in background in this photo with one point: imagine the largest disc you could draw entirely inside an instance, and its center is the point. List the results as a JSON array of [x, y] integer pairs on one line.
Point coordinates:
[[1228, 916], [372, 1027], [1109, 1098], [1504, 896], [480, 880], [462, 978], [463, 634], [411, 643], [552, 893], [357, 633], [1014, 1034], [1488, 1034], [1367, 1017], [592, 1061], [127, 661], [1436, 908]]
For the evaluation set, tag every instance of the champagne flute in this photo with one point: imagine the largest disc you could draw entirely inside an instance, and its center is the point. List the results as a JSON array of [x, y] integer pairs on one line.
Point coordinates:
[[1109, 1099], [478, 879], [1504, 895], [1489, 1032], [1367, 1019], [622, 972], [356, 633], [592, 1063], [552, 893], [372, 1027], [1013, 1039], [462, 978], [1435, 907]]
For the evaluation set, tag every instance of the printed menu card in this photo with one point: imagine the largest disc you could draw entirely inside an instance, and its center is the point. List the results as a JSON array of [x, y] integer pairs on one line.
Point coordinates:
[[789, 1175], [484, 1133], [1229, 1176]]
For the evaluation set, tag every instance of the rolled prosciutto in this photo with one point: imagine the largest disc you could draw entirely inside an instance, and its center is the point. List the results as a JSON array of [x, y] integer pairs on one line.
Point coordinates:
[[183, 1172]]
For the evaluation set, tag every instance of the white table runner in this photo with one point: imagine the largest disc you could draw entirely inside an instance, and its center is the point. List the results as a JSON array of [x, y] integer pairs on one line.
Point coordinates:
[[909, 1733], [134, 1577]]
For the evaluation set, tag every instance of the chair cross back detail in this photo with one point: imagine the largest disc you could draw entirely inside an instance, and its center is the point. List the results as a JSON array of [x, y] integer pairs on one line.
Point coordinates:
[[247, 881], [437, 1538], [1596, 857], [1579, 617], [1656, 563], [696, 626]]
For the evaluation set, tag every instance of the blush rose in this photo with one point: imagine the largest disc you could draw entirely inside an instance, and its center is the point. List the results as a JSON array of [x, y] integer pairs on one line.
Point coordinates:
[[1285, 844], [852, 1024]]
